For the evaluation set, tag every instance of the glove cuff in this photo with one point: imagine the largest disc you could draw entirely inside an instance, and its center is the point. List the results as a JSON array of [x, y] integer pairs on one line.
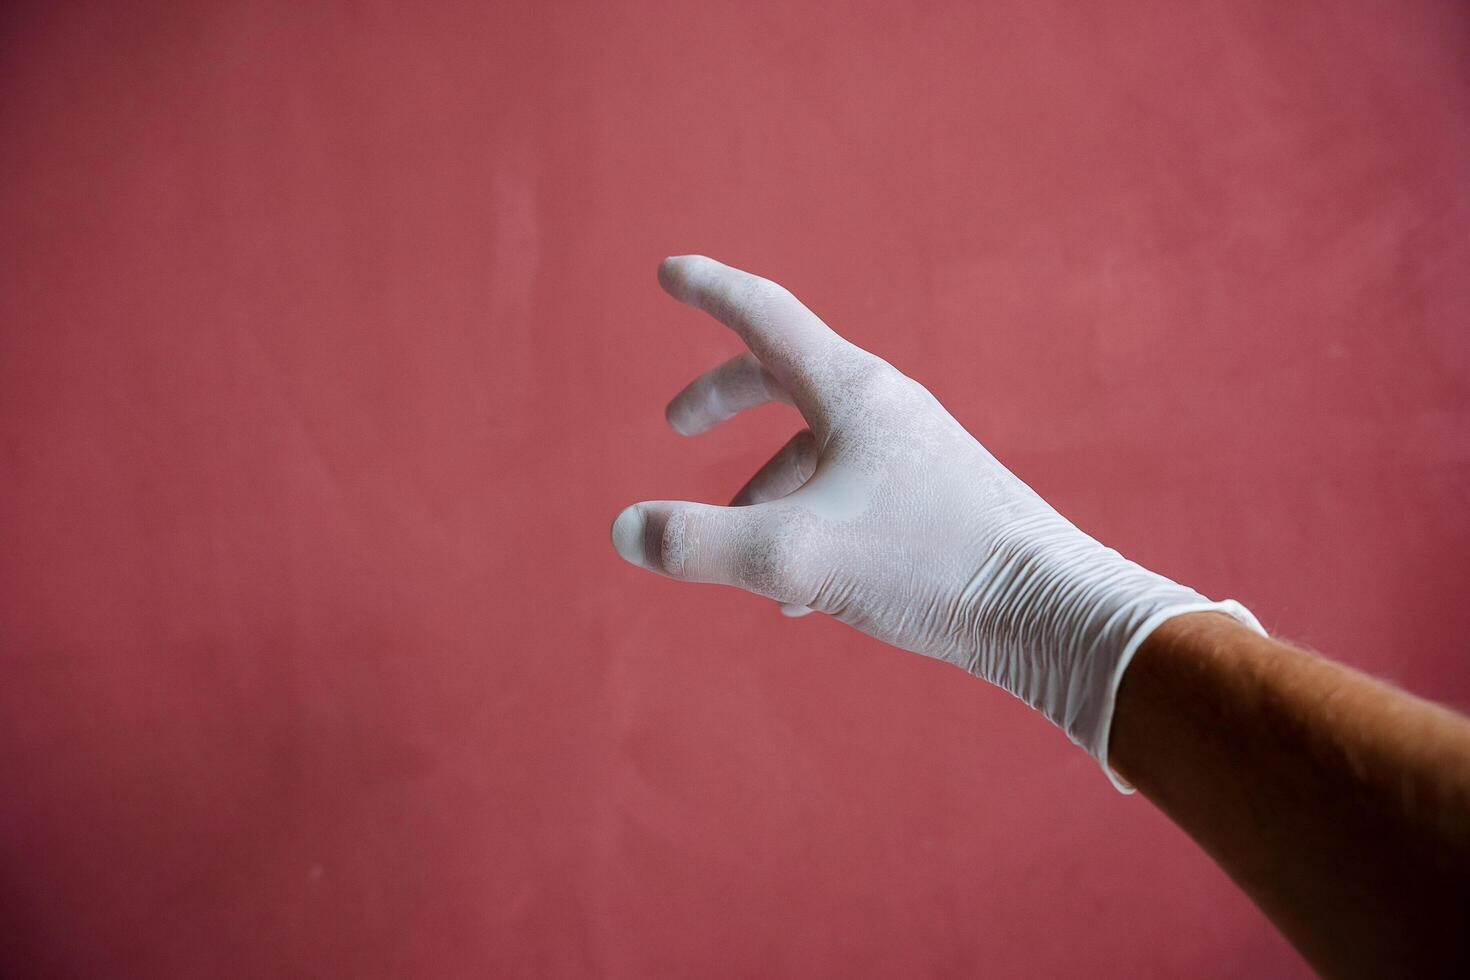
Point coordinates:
[[1058, 619]]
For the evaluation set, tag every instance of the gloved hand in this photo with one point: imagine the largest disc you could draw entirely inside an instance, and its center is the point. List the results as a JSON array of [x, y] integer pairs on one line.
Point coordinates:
[[887, 515]]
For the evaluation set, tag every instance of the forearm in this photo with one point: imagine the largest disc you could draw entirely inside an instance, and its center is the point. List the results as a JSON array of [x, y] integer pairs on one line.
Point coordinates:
[[1340, 804]]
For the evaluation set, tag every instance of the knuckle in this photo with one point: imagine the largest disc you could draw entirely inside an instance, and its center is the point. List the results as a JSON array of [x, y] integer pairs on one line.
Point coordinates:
[[779, 556], [918, 391], [666, 542], [872, 381]]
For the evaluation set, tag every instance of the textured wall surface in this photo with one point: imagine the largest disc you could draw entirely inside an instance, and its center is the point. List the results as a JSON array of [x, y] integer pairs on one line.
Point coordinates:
[[330, 345]]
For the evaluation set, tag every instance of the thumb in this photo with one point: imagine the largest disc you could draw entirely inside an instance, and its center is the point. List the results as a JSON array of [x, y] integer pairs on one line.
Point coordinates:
[[691, 542], [766, 548]]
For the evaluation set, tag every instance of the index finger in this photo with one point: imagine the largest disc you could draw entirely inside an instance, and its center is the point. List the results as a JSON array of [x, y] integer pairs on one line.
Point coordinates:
[[790, 340]]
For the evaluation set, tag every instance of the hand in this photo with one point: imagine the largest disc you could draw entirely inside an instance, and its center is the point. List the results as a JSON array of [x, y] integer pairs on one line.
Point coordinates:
[[886, 514]]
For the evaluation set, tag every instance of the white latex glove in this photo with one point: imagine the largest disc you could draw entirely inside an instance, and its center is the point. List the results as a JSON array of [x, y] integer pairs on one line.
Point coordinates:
[[887, 515]]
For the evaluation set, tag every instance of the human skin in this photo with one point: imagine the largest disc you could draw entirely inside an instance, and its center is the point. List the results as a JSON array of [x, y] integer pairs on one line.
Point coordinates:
[[1338, 803]]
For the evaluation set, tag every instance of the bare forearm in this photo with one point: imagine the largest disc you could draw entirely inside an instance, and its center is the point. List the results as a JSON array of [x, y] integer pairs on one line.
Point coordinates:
[[1339, 803]]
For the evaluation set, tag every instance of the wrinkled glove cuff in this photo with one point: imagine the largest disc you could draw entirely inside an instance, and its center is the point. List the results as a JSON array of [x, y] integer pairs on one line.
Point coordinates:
[[1057, 617]]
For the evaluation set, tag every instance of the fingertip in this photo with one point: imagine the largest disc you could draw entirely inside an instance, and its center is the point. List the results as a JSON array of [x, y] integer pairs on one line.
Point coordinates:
[[677, 418], [675, 270], [668, 273], [627, 534]]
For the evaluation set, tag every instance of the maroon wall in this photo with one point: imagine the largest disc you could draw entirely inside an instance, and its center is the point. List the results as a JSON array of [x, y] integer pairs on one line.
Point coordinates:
[[330, 345]]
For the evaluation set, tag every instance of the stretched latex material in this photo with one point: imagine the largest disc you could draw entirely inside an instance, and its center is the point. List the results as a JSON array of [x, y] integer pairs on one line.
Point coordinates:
[[889, 516]]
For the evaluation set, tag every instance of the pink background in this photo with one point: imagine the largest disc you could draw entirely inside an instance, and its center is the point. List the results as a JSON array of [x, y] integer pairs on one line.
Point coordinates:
[[331, 345]]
